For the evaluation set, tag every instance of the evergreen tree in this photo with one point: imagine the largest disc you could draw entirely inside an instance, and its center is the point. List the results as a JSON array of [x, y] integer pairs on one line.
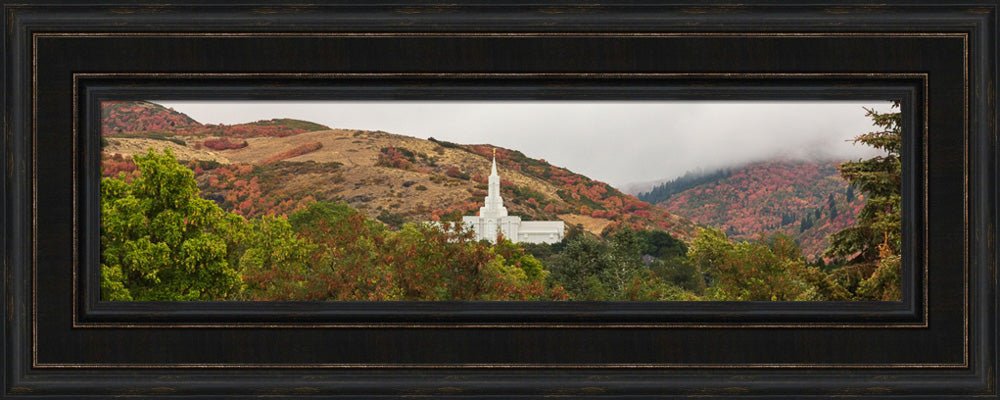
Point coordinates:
[[832, 204], [806, 223], [666, 190], [661, 245], [876, 236], [878, 225]]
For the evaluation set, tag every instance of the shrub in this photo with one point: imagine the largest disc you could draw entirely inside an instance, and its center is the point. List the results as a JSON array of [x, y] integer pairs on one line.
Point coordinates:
[[454, 172], [223, 144]]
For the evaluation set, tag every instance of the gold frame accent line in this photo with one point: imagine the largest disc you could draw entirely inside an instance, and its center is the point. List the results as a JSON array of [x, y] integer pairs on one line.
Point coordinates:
[[922, 76], [499, 34], [497, 366], [34, 193]]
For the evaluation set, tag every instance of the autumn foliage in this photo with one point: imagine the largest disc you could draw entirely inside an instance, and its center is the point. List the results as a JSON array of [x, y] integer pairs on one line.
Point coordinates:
[[217, 231], [141, 118], [161, 241], [223, 144], [116, 164], [396, 157], [356, 258], [805, 200]]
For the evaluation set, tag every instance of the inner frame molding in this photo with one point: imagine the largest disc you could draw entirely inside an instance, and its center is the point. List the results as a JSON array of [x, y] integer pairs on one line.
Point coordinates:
[[909, 88], [961, 369]]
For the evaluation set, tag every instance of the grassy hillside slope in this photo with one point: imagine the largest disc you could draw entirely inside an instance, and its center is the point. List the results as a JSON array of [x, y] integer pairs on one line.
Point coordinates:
[[391, 177]]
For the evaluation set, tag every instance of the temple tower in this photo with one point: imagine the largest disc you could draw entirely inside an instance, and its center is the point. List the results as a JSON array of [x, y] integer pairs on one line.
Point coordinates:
[[493, 219]]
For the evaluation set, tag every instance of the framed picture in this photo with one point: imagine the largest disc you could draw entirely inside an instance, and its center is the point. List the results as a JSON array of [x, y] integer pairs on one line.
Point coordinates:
[[301, 211], [500, 200]]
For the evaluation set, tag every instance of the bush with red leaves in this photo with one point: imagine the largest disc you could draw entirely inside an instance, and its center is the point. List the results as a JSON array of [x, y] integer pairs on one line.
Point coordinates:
[[223, 144]]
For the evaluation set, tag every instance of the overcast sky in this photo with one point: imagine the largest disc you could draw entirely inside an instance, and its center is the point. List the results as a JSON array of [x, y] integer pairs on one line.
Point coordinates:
[[615, 142]]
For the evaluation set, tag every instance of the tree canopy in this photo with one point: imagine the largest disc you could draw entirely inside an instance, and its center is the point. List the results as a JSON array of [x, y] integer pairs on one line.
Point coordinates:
[[160, 241]]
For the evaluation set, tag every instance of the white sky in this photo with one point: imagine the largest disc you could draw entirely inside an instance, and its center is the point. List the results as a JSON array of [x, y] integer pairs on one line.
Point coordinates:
[[618, 142]]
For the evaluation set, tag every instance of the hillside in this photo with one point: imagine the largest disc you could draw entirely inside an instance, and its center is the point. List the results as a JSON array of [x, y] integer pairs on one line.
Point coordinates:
[[793, 197], [145, 119], [134, 117], [664, 190], [393, 178]]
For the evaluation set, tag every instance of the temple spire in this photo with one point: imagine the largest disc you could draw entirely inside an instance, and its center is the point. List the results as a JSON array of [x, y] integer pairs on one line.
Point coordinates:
[[494, 221], [494, 203], [493, 169]]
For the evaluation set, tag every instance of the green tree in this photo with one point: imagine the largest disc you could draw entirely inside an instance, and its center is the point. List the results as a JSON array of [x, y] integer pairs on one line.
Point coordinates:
[[832, 205], [660, 244], [806, 222], [626, 252], [160, 241], [276, 261], [344, 264], [515, 256], [647, 286], [875, 238], [766, 269], [590, 268], [681, 272], [880, 178], [581, 268]]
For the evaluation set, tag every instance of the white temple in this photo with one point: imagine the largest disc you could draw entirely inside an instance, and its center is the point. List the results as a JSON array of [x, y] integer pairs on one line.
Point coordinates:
[[493, 219]]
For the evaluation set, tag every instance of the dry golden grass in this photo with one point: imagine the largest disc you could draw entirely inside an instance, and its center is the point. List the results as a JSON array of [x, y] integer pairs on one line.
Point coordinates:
[[367, 186], [590, 224]]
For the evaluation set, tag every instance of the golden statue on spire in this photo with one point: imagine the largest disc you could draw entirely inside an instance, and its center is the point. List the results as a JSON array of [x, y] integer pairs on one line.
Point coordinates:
[[494, 153]]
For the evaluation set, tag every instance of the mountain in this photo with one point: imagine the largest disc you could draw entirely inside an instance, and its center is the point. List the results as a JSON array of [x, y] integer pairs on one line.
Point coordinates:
[[663, 191], [391, 177], [133, 117], [145, 119], [636, 188], [806, 200]]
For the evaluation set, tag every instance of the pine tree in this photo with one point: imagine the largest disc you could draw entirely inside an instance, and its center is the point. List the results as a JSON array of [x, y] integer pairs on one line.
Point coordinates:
[[832, 205], [878, 225], [876, 237]]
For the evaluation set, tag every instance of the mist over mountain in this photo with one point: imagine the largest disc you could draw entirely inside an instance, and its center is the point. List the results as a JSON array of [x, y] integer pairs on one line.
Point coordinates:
[[808, 156]]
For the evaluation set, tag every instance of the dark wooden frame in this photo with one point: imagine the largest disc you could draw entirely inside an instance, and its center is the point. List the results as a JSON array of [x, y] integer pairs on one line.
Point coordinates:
[[939, 59]]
